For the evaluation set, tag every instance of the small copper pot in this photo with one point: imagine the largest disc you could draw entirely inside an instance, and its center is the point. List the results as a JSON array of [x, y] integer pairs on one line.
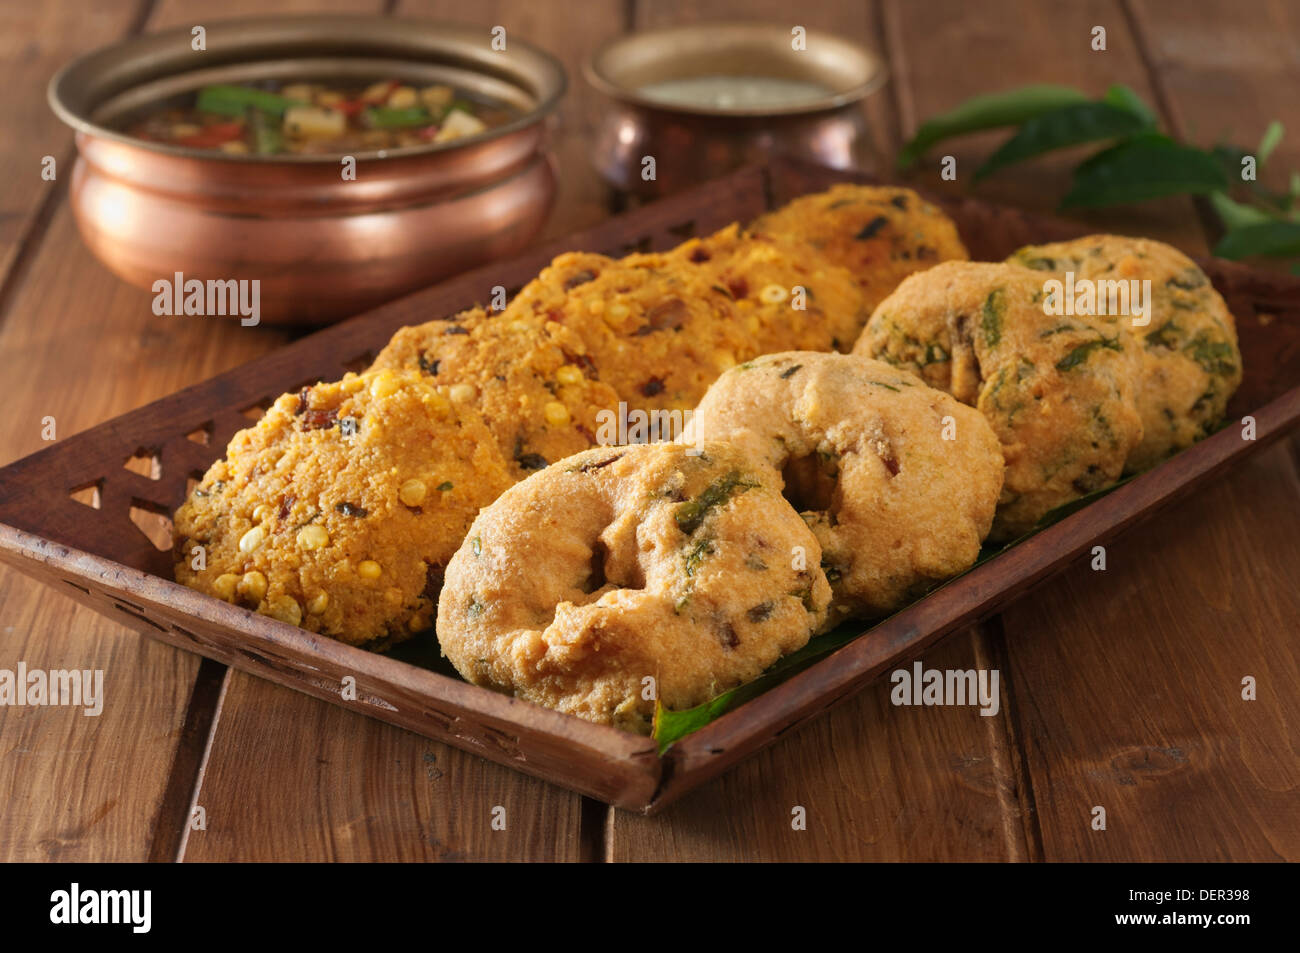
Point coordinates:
[[322, 247], [693, 144]]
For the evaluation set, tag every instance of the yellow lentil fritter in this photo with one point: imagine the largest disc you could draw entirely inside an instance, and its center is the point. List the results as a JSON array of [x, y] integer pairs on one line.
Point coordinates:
[[651, 334], [340, 509], [661, 327], [785, 296], [532, 379], [1060, 392], [881, 234], [1191, 364]]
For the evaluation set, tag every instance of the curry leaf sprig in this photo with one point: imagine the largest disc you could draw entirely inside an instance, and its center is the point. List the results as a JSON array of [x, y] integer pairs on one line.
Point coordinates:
[[1138, 163]]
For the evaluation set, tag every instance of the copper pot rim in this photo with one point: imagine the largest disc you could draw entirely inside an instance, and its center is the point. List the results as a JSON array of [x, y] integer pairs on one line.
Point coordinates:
[[72, 92], [745, 31], [231, 204]]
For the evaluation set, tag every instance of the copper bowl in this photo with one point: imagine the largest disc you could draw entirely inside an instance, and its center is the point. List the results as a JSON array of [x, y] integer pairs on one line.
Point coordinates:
[[696, 143], [321, 247]]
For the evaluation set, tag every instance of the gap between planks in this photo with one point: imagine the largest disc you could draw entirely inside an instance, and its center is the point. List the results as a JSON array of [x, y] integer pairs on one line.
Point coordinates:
[[1014, 788], [1021, 831], [171, 829], [33, 233], [1138, 26]]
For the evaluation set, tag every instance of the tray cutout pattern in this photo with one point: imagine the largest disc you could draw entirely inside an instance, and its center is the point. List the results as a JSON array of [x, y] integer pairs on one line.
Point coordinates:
[[86, 514]]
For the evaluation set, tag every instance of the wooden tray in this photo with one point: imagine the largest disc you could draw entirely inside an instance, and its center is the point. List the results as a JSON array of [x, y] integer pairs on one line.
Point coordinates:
[[87, 514]]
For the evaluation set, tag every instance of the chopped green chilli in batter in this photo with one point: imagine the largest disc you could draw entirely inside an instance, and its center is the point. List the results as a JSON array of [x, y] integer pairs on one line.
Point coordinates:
[[695, 556], [1167, 335], [1080, 354], [934, 354], [992, 320], [1211, 355], [691, 514]]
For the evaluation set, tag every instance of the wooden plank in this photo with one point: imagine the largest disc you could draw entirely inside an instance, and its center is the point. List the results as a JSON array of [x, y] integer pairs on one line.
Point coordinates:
[[174, 13], [583, 197], [1185, 769], [290, 778], [75, 787], [1129, 683], [78, 345], [381, 793], [78, 787], [877, 782], [35, 40], [1224, 76], [946, 51]]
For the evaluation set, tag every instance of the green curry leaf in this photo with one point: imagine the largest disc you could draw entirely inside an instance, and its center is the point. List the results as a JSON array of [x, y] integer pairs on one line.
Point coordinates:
[[1146, 167], [1122, 97], [1068, 126], [1237, 214], [1272, 136], [1009, 108], [1269, 238]]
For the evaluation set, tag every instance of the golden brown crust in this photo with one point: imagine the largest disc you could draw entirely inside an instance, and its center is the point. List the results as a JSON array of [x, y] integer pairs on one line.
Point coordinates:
[[881, 234], [1061, 393], [1191, 363], [660, 327], [340, 508], [532, 379], [623, 564], [898, 481]]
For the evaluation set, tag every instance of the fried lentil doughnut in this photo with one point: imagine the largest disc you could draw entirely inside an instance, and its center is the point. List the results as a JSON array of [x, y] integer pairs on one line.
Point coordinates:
[[532, 379], [1191, 364], [897, 502], [1060, 392], [881, 234], [338, 511], [622, 563]]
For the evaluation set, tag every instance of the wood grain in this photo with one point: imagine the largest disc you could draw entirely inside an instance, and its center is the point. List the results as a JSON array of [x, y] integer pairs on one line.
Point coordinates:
[[35, 40], [290, 778], [78, 345], [78, 787], [1225, 74], [946, 51], [877, 782], [1129, 684], [1129, 681]]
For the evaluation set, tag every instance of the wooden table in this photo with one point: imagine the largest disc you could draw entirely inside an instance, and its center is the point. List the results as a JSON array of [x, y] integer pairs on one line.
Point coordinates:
[[1121, 689]]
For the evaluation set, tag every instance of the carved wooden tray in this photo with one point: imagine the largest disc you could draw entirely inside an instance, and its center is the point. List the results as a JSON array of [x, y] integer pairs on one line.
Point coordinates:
[[88, 514]]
